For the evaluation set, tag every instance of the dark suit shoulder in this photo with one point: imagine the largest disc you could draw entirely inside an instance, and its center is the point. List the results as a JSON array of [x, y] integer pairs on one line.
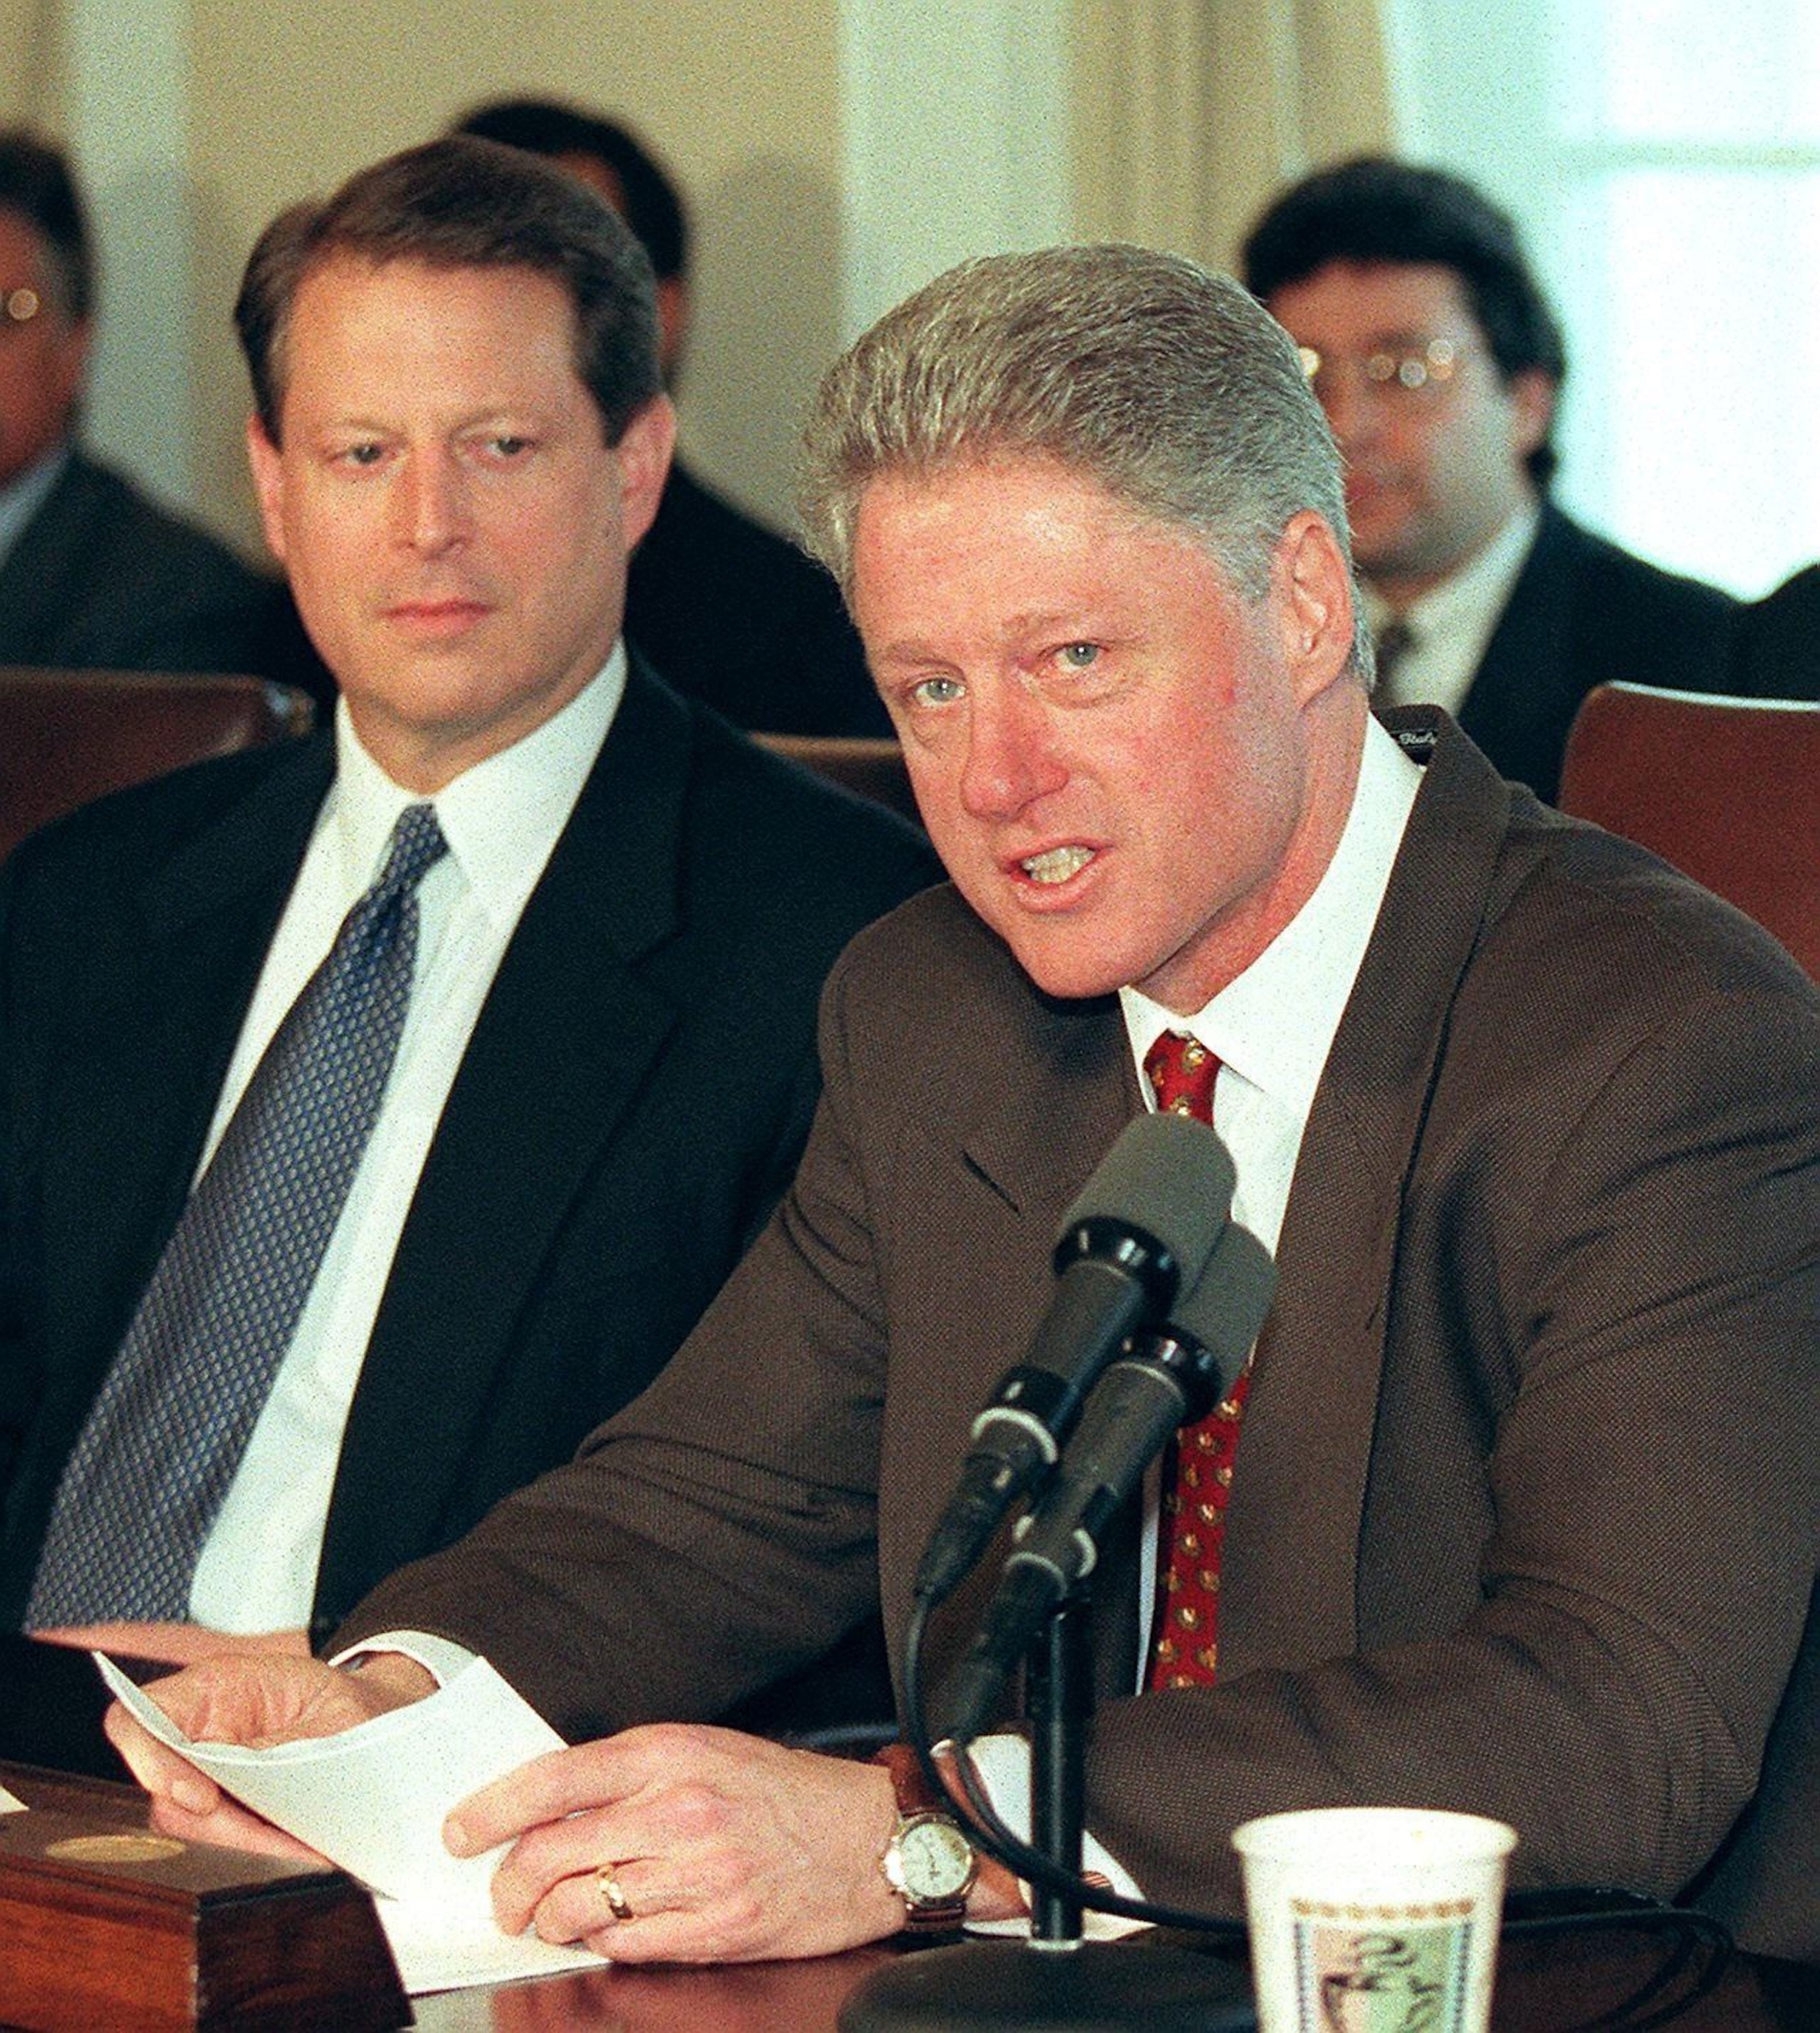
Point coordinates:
[[1626, 618], [1776, 651], [937, 931], [105, 578], [1586, 943], [935, 1006], [136, 831], [1634, 921], [1585, 612], [723, 539], [1611, 569], [788, 852]]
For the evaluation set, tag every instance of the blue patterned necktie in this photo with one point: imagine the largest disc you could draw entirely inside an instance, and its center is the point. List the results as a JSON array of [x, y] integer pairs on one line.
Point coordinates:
[[166, 1434]]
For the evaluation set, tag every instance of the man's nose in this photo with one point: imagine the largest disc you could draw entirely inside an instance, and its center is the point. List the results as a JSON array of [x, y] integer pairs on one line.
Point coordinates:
[[1012, 758], [431, 503]]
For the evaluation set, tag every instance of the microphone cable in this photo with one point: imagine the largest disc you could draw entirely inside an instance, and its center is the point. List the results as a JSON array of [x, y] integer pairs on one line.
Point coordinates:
[[1694, 1937]]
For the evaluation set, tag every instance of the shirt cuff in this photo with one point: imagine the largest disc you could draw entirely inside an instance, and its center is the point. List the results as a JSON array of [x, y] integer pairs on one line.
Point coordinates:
[[440, 1657], [1003, 1764]]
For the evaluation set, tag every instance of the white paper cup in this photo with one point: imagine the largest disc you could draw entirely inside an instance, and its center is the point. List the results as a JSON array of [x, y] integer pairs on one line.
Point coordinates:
[[1373, 1920]]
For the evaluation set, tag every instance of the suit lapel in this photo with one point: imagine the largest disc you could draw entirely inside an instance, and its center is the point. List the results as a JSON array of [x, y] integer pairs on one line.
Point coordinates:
[[564, 1045], [1526, 688], [154, 1037], [34, 592], [1045, 1126], [1299, 1487], [1048, 1125]]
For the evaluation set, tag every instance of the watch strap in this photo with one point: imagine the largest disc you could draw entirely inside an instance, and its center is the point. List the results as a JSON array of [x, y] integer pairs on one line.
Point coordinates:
[[909, 1783]]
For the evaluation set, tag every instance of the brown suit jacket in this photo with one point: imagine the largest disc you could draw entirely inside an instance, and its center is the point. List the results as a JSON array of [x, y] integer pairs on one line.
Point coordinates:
[[1524, 1514]]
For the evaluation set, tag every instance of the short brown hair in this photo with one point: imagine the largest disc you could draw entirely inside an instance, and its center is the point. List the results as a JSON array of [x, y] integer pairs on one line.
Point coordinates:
[[463, 203]]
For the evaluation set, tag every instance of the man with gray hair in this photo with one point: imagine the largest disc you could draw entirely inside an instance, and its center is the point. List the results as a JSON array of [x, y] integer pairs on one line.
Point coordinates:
[[1527, 1120]]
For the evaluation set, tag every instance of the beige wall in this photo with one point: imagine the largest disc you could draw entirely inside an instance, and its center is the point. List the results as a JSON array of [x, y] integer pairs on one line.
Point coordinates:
[[28, 81], [744, 115], [740, 98], [835, 153]]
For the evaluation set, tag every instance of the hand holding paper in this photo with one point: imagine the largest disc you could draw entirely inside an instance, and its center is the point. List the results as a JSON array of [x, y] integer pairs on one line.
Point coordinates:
[[373, 1798]]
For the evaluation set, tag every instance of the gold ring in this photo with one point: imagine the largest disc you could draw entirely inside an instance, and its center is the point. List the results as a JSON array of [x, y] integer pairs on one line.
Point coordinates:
[[617, 1903]]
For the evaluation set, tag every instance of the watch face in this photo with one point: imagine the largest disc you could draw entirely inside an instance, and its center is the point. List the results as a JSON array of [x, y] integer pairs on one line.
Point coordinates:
[[935, 1859]]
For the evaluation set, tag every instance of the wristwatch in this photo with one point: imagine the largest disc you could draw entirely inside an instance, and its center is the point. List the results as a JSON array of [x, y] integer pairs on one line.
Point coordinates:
[[928, 1862]]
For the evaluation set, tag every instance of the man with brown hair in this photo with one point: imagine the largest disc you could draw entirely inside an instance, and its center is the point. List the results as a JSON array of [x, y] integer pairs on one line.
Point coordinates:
[[601, 1068], [732, 613], [1440, 363]]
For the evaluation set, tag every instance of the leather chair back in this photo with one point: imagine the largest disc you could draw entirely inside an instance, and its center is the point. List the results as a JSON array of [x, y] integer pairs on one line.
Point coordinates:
[[67, 737], [872, 765], [1727, 789]]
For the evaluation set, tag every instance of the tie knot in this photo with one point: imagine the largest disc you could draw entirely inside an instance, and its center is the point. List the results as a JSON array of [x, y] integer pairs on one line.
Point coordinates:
[[1182, 1071], [417, 845]]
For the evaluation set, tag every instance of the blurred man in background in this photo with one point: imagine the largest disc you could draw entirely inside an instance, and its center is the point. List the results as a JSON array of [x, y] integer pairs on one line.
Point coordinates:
[[1440, 364], [94, 575]]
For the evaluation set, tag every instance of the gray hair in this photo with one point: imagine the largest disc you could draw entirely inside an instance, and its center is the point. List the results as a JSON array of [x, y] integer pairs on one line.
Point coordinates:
[[1167, 385]]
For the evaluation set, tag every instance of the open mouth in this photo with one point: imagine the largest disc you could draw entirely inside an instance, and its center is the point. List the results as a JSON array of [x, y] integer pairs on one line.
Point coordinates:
[[1056, 864]]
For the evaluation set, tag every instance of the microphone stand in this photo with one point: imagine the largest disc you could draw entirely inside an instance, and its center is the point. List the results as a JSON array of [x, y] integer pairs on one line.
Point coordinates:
[[1056, 1981], [1058, 1700]]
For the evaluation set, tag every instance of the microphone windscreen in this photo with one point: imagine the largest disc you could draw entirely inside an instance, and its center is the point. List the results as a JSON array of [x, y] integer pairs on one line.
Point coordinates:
[[1224, 1309], [1169, 1175]]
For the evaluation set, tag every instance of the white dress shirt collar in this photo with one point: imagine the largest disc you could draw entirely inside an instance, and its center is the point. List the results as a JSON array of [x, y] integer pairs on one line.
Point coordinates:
[[1452, 623], [500, 818], [1275, 1025]]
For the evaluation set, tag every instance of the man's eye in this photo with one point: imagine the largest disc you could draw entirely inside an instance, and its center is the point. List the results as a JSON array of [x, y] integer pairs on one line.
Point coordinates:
[[1079, 655], [935, 691], [362, 454], [509, 447]]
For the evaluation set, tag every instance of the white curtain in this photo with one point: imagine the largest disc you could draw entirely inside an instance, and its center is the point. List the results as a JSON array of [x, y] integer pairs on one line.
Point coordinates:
[[1188, 115]]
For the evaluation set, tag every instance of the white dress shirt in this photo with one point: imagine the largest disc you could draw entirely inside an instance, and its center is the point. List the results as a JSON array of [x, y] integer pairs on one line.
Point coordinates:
[[1451, 624], [501, 819]]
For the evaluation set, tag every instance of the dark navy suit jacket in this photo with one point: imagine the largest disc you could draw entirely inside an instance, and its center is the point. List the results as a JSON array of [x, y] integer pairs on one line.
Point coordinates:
[[1581, 613], [632, 1100], [103, 579]]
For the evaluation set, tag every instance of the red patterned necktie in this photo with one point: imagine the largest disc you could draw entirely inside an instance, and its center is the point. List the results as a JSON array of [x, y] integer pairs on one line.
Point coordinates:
[[1197, 1474]]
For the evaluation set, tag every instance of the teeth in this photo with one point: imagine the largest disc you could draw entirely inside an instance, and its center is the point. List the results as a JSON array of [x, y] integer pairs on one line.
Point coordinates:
[[1058, 864]]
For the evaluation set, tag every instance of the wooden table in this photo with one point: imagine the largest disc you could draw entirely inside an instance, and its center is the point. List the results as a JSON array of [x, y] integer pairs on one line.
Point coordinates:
[[1543, 1987], [1545, 1984]]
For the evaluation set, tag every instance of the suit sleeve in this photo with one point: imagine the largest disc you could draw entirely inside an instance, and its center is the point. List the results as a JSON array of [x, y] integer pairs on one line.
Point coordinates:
[[12, 1385], [719, 1531], [1654, 1502]]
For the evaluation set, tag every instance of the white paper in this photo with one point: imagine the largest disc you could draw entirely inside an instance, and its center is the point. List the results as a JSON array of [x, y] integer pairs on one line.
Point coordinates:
[[373, 1799], [435, 1951], [10, 1803]]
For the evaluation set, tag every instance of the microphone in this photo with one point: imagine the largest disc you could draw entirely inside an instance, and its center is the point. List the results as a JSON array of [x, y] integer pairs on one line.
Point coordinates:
[[1171, 1377], [1142, 1229]]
